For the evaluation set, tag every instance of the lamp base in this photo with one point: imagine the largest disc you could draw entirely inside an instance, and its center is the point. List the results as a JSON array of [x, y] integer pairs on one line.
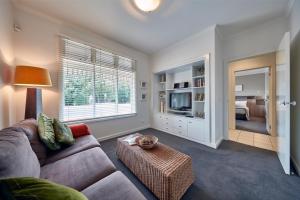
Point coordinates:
[[33, 103]]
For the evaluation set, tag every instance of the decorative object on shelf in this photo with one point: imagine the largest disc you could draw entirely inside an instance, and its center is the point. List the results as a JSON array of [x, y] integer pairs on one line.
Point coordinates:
[[200, 115], [32, 77], [143, 96], [239, 88], [199, 71], [162, 78], [162, 94], [181, 85], [200, 97], [146, 141], [199, 82], [162, 106], [143, 84]]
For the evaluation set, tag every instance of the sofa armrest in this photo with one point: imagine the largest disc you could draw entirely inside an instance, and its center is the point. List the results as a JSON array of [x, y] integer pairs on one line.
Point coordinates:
[[79, 130]]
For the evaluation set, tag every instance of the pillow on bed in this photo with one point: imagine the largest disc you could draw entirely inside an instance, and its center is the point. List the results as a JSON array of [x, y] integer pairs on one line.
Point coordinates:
[[241, 104]]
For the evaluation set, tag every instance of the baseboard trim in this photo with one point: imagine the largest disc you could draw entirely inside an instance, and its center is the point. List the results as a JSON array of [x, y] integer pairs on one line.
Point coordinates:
[[211, 145], [100, 139], [296, 165], [217, 144]]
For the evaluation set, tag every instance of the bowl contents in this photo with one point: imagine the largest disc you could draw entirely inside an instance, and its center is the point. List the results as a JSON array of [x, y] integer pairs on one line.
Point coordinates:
[[147, 141]]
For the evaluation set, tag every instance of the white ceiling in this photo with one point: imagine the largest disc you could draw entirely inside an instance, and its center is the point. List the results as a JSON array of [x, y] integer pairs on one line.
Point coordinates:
[[173, 21]]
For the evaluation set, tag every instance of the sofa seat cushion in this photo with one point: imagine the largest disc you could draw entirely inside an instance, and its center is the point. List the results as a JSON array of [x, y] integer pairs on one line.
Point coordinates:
[[16, 156], [81, 144], [114, 186], [30, 128], [79, 170]]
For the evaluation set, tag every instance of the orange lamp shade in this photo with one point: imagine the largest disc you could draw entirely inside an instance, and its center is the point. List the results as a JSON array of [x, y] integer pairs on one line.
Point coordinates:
[[32, 76]]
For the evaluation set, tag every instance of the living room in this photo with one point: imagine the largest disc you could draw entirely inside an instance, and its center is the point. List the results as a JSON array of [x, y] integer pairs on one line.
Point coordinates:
[[161, 69]]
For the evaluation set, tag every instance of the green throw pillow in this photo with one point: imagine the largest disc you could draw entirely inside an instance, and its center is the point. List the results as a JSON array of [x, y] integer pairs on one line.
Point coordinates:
[[46, 132], [28, 188], [63, 133]]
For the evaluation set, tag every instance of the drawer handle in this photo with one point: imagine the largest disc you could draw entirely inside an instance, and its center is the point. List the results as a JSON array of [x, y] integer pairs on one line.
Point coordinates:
[[179, 120], [179, 126]]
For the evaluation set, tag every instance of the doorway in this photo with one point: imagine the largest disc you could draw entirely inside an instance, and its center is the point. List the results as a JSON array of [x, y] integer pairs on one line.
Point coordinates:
[[251, 101]]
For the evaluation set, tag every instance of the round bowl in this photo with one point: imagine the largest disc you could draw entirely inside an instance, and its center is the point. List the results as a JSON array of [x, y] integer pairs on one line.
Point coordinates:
[[147, 141]]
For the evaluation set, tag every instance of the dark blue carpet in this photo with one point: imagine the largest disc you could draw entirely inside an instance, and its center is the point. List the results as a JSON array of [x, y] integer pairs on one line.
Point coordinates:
[[233, 171]]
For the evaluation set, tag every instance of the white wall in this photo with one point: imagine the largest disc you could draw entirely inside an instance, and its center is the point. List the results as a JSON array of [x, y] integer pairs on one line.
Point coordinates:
[[261, 39], [187, 51], [295, 82], [38, 44], [219, 80], [253, 85], [6, 63]]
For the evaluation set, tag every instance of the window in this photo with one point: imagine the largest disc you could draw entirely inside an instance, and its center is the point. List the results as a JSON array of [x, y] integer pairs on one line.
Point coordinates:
[[96, 83]]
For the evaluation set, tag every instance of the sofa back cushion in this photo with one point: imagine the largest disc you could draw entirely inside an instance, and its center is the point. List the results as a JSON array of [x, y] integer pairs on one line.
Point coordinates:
[[16, 156], [30, 128]]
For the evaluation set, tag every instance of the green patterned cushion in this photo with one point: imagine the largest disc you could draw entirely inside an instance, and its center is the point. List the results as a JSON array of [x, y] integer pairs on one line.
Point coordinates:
[[46, 132], [28, 188], [63, 133]]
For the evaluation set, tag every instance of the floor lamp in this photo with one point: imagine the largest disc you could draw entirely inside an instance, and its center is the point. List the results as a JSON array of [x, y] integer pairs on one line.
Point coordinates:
[[33, 78]]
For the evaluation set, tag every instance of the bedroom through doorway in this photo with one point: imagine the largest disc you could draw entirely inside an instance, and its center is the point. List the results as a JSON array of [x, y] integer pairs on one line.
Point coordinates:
[[251, 101]]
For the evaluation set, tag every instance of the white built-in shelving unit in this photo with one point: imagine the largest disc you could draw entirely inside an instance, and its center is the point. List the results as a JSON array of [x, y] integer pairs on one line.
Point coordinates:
[[193, 124]]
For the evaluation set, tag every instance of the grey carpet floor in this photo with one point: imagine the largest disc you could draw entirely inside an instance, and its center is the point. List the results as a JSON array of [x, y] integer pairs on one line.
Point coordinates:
[[233, 171], [252, 126]]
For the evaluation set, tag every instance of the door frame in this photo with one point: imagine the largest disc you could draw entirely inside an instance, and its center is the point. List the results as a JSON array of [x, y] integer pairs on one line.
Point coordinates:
[[255, 62]]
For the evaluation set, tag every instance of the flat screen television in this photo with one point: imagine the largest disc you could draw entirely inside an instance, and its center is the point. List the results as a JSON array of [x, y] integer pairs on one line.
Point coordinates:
[[181, 101]]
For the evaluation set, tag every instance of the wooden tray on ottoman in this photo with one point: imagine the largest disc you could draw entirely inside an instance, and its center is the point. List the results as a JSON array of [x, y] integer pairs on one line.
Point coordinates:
[[166, 172]]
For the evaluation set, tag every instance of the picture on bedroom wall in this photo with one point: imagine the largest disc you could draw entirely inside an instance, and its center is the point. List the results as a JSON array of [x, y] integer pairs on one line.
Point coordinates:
[[239, 88]]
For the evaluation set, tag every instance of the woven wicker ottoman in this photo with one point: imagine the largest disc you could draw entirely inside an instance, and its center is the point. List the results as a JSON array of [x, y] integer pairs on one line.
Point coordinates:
[[165, 171]]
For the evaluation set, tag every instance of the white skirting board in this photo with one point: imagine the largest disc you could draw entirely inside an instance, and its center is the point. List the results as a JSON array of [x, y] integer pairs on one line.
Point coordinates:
[[212, 145], [119, 134], [296, 165], [123, 133]]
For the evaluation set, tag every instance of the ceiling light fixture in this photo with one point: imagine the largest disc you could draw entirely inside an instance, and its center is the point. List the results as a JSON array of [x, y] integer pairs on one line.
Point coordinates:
[[147, 5]]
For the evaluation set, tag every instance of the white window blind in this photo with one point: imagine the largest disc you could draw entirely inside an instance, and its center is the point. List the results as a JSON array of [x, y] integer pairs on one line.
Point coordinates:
[[96, 83]]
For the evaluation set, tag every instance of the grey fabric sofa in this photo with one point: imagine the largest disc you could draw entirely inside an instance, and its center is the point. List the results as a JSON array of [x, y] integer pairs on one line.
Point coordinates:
[[83, 166]]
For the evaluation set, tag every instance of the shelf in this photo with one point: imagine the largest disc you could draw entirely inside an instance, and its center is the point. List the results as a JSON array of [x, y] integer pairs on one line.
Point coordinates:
[[198, 87], [199, 101], [162, 82], [179, 111], [202, 76], [178, 89], [198, 118]]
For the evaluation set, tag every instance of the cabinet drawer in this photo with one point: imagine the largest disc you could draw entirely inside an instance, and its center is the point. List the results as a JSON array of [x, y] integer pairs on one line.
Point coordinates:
[[181, 132]]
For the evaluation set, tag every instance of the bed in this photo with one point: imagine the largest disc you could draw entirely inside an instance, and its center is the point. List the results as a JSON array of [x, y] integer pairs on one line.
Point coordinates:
[[242, 110]]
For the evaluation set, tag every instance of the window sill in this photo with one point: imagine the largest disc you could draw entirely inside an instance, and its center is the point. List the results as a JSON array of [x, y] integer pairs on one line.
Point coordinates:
[[100, 119]]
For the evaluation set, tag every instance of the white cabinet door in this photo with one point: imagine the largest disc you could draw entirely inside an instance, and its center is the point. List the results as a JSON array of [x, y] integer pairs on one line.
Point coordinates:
[[158, 121], [197, 130]]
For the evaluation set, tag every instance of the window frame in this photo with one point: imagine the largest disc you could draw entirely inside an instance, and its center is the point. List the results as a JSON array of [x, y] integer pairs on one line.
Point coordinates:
[[61, 84]]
